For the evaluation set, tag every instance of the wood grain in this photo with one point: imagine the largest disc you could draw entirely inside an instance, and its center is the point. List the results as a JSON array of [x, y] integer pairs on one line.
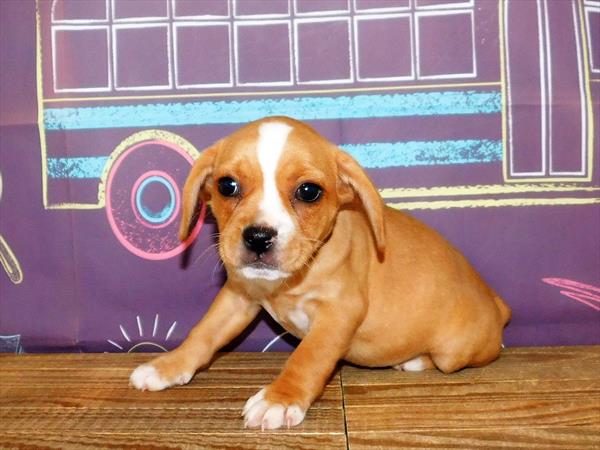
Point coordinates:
[[74, 401], [529, 398]]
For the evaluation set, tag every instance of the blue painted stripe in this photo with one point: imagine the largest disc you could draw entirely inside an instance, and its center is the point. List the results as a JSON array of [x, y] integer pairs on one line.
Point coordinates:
[[84, 167], [425, 153], [374, 155], [302, 108]]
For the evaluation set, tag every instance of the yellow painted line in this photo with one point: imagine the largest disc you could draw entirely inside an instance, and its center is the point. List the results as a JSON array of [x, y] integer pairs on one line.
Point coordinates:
[[272, 93], [493, 189], [503, 88], [40, 103], [65, 206], [490, 203]]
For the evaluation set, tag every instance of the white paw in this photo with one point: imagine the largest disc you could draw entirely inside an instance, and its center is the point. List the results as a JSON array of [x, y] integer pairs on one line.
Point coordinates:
[[412, 365], [147, 378], [259, 412]]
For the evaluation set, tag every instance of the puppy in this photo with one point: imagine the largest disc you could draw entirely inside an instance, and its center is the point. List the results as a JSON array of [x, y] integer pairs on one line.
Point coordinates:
[[305, 234]]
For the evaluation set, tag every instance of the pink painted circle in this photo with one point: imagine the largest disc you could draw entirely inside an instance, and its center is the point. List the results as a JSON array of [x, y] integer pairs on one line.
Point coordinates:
[[143, 193]]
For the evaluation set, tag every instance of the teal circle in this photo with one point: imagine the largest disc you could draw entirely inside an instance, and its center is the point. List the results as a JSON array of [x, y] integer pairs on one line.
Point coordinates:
[[165, 213]]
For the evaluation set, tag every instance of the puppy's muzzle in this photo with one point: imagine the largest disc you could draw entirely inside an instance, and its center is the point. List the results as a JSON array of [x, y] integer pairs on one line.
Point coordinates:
[[259, 240]]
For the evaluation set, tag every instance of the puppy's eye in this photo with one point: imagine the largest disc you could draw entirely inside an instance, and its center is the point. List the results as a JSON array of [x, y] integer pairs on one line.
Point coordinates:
[[308, 192], [228, 187]]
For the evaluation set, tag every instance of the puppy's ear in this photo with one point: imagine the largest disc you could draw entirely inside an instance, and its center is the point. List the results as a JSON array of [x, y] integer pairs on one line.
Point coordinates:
[[353, 181], [194, 188]]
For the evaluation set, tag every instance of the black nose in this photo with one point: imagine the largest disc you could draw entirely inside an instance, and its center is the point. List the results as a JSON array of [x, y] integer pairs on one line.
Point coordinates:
[[259, 239]]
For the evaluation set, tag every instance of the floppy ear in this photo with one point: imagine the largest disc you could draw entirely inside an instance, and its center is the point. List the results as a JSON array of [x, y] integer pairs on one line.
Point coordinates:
[[352, 181], [193, 189]]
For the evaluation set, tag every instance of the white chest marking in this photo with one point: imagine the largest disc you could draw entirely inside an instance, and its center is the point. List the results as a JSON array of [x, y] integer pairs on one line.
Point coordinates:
[[272, 137], [299, 318]]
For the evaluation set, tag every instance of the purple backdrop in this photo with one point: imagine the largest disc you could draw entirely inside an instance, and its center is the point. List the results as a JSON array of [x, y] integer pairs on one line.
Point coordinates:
[[477, 116]]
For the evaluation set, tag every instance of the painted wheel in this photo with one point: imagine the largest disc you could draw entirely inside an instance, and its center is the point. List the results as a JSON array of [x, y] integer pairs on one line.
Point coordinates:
[[143, 198]]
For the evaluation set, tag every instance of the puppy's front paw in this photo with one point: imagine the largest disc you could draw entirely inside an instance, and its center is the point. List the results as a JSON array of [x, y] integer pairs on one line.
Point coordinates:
[[149, 378], [259, 411]]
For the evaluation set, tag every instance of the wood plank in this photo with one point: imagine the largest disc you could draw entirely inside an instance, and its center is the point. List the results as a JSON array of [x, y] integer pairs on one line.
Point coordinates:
[[62, 401], [478, 414], [122, 395], [431, 394], [242, 361], [529, 398], [92, 377], [516, 437], [95, 378], [150, 419], [268, 440]]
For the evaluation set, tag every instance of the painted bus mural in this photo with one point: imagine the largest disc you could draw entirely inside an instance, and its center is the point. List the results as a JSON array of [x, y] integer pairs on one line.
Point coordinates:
[[454, 107], [149, 85]]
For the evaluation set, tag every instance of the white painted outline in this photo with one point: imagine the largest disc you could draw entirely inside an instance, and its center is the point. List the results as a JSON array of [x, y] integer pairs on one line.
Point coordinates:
[[78, 21], [171, 331], [130, 26], [546, 76], [140, 327], [589, 10], [110, 341], [374, 17], [444, 6], [145, 19], [389, 9], [351, 40], [201, 16], [545, 62], [124, 333], [512, 173], [176, 27], [155, 327], [135, 342], [259, 23], [56, 28], [272, 341], [418, 16], [261, 16], [592, 3], [333, 12], [582, 100]]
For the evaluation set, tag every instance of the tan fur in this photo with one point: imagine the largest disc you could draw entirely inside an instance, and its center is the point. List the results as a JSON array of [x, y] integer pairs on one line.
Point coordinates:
[[379, 288]]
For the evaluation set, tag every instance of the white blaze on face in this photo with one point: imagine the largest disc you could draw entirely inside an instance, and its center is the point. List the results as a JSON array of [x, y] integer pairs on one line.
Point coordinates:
[[272, 137]]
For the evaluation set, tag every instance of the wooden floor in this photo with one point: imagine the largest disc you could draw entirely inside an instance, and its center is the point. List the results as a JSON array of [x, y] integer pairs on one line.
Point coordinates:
[[529, 398]]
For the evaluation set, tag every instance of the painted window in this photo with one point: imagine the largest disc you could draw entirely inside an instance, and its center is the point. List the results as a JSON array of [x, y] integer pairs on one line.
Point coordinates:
[[184, 44], [548, 108]]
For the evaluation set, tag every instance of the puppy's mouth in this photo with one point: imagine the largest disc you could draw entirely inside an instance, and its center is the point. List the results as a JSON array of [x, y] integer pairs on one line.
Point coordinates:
[[259, 264], [261, 270]]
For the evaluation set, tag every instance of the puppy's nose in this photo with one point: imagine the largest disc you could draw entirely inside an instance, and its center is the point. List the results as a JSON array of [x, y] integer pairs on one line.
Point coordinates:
[[259, 239]]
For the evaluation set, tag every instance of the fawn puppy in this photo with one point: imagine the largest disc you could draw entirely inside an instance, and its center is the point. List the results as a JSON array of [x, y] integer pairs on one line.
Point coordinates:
[[304, 234]]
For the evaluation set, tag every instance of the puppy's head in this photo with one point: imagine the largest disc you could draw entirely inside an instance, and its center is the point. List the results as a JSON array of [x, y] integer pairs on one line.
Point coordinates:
[[275, 187]]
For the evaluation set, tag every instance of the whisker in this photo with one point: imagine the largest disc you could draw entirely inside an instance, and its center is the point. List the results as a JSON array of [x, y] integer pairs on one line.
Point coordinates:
[[205, 251]]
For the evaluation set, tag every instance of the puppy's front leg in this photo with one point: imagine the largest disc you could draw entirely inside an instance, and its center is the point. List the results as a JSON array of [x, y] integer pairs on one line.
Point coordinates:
[[228, 315], [309, 367]]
